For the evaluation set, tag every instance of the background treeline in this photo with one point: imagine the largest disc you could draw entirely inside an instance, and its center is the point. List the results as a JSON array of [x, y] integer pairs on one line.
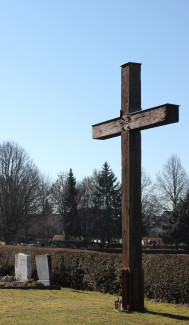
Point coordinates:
[[89, 209]]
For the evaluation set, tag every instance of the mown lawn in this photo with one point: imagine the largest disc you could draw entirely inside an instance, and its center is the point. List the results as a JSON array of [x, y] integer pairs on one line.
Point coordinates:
[[74, 307]]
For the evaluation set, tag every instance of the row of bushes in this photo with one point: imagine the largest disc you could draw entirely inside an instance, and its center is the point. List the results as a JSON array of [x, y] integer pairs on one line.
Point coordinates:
[[166, 277]]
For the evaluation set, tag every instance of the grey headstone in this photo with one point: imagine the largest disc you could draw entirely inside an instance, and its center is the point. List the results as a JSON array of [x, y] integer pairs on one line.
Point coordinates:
[[23, 267], [44, 269]]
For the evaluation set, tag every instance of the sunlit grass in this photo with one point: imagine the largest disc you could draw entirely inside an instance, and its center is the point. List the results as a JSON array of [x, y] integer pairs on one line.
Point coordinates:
[[2, 242], [79, 307]]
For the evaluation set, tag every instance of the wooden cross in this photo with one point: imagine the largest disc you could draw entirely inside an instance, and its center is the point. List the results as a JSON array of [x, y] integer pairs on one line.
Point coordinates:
[[132, 119]]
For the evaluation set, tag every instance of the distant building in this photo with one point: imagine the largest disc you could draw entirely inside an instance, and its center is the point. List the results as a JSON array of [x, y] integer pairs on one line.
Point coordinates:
[[154, 236], [42, 228]]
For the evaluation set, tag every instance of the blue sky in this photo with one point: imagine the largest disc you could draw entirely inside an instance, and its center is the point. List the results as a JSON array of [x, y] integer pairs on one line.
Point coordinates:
[[60, 73]]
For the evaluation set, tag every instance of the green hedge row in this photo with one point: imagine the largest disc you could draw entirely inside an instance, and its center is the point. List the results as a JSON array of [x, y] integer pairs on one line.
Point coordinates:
[[166, 277]]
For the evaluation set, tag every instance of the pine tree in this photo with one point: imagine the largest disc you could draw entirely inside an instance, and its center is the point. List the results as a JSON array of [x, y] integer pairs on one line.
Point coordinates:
[[71, 220], [108, 205]]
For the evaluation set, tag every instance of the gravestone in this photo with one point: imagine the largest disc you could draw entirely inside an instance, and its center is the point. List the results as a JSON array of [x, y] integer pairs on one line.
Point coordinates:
[[44, 269], [23, 267]]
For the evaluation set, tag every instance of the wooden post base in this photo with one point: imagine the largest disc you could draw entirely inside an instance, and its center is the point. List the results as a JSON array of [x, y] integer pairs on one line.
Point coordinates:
[[133, 289]]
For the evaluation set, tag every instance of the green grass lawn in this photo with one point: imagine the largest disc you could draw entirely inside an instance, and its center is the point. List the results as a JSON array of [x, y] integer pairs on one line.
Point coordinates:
[[74, 307]]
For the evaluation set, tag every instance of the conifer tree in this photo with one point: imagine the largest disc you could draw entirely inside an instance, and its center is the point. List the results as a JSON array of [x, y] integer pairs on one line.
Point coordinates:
[[71, 220], [108, 205], [64, 196]]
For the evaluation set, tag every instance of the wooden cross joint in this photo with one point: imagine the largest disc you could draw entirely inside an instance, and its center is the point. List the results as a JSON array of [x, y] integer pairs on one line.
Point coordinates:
[[125, 120]]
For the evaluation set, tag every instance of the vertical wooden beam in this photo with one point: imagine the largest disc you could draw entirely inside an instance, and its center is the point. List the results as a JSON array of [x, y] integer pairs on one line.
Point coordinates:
[[131, 185], [130, 87]]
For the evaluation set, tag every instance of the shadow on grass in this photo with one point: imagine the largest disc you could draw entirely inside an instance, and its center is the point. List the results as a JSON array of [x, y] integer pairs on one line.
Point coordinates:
[[185, 318]]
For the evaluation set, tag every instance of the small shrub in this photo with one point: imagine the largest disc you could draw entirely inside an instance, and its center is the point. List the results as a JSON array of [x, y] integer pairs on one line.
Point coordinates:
[[33, 283], [8, 278]]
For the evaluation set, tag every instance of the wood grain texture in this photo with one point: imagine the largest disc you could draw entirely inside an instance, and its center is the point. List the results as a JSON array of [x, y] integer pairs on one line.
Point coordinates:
[[130, 87], [131, 170], [131, 184], [141, 120], [131, 199]]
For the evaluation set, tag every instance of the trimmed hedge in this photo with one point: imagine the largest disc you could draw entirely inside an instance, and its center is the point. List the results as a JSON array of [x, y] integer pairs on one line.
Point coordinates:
[[83, 270], [166, 276]]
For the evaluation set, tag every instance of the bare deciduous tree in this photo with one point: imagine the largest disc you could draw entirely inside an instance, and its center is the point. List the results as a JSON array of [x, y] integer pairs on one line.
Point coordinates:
[[46, 207], [19, 189], [86, 205], [172, 183], [58, 196], [150, 205]]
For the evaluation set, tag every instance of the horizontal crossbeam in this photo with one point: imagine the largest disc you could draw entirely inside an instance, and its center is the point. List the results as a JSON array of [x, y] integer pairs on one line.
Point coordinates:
[[140, 120]]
